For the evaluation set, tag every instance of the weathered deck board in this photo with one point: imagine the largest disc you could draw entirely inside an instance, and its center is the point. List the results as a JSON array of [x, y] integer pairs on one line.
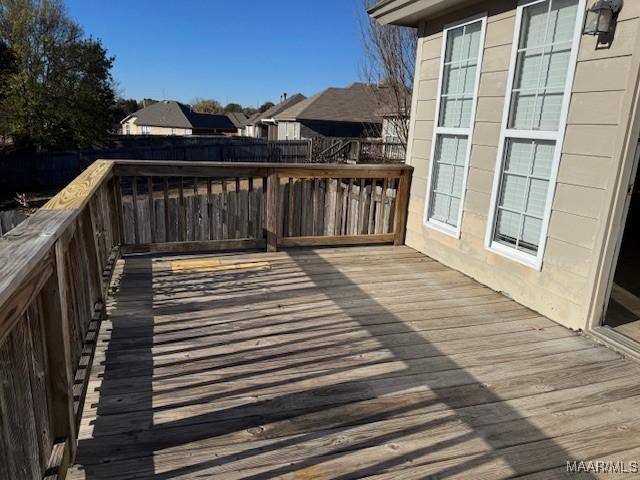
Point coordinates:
[[341, 363]]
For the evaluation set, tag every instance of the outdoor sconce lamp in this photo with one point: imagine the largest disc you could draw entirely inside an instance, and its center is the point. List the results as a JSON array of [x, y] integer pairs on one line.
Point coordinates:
[[600, 17]]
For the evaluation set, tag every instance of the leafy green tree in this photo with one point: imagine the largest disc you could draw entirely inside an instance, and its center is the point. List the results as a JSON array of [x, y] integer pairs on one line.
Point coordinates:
[[146, 102], [202, 105], [121, 108], [265, 106], [232, 107], [7, 67], [249, 111], [60, 92]]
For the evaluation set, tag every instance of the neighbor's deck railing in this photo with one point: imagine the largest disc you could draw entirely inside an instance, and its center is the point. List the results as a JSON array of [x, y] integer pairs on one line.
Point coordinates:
[[55, 267]]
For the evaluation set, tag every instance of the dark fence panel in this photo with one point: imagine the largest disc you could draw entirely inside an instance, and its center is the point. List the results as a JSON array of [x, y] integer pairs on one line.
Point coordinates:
[[11, 218], [47, 171]]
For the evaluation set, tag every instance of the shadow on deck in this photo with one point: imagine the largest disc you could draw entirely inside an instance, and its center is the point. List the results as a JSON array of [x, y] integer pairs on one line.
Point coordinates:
[[341, 363]]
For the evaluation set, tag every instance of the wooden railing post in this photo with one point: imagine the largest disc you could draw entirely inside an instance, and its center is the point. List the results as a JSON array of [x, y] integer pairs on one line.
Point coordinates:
[[272, 210], [55, 299], [93, 236], [117, 209], [402, 203], [86, 235]]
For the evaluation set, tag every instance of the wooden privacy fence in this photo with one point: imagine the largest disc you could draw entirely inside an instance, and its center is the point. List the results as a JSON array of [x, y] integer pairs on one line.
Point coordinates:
[[55, 267], [10, 219]]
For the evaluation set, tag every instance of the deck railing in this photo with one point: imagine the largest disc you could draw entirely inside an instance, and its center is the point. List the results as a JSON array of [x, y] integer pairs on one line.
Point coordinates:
[[53, 278], [55, 268], [181, 206]]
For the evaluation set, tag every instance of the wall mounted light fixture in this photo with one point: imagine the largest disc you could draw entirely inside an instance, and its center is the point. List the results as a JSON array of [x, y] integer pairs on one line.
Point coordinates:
[[601, 16]]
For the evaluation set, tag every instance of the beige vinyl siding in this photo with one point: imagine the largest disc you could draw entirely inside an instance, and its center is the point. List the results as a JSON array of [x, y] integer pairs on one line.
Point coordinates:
[[563, 288]]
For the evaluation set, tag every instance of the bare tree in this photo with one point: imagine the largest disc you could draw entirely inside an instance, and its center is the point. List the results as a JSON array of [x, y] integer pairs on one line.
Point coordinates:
[[389, 65]]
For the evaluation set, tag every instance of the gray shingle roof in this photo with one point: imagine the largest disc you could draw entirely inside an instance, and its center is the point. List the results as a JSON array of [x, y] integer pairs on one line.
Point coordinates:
[[239, 119], [354, 104], [253, 118], [276, 109], [172, 114]]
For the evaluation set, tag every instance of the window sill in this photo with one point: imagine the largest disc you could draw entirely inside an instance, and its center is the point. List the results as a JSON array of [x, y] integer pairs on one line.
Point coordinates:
[[443, 228], [515, 255]]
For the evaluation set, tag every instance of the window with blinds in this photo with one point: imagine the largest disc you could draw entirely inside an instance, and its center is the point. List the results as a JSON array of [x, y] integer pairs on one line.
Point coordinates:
[[460, 66], [525, 181], [537, 102]]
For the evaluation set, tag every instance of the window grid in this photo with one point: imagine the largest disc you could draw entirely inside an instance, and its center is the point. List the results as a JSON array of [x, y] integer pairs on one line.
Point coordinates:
[[524, 212], [543, 123], [452, 197], [544, 51], [459, 75], [458, 94]]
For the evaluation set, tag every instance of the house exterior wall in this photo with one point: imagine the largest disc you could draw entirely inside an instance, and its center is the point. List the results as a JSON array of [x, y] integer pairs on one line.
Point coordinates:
[[130, 128], [594, 157], [391, 130], [314, 128], [288, 131]]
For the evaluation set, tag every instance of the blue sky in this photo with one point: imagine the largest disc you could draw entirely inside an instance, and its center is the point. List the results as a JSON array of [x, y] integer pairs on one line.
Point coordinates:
[[244, 51]]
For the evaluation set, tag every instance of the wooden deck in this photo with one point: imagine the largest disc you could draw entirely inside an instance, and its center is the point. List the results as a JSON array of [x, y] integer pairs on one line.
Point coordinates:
[[341, 363]]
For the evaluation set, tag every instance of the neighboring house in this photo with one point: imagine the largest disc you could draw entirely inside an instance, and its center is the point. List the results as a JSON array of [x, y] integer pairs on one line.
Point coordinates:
[[249, 128], [394, 108], [334, 112], [169, 117], [264, 125], [523, 138], [392, 126], [239, 121]]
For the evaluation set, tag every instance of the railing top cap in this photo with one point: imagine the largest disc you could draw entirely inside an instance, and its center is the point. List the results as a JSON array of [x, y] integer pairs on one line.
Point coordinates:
[[262, 165]]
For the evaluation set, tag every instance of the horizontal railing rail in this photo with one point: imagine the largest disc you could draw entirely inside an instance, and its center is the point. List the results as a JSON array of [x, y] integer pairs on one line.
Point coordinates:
[[55, 267]]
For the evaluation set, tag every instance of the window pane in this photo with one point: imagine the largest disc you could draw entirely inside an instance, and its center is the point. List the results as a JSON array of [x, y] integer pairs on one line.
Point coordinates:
[[518, 156], [450, 112], [563, 16], [534, 22], [448, 148], [522, 199], [443, 178], [456, 187], [452, 81], [448, 175], [440, 206], [459, 75], [513, 190], [531, 229], [543, 159], [508, 226], [455, 45], [542, 64], [537, 197], [454, 209]]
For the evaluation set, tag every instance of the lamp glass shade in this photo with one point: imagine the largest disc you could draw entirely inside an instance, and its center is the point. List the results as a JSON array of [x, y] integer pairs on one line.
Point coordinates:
[[598, 20]]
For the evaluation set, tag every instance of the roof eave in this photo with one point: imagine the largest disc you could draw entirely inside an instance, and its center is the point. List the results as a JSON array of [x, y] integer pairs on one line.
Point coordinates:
[[127, 118], [409, 13]]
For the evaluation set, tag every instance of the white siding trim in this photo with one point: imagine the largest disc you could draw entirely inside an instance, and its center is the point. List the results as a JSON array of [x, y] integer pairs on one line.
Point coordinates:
[[557, 136], [432, 223]]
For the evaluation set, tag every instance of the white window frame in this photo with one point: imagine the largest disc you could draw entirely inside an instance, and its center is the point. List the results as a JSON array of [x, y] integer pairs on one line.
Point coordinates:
[[533, 261], [467, 131]]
